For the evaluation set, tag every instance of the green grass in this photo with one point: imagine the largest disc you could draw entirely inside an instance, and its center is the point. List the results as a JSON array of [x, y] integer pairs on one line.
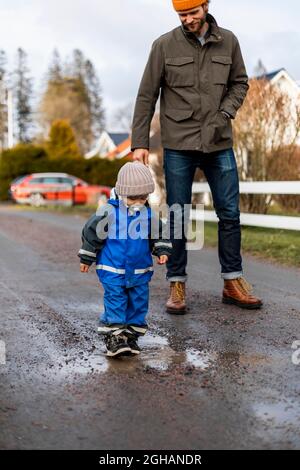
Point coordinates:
[[282, 246]]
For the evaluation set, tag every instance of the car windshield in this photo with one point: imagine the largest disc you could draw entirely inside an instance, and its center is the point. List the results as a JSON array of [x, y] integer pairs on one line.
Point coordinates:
[[66, 180], [51, 180], [35, 181]]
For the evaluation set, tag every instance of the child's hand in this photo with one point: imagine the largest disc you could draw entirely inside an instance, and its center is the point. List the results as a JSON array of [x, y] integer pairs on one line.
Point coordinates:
[[84, 268], [162, 259]]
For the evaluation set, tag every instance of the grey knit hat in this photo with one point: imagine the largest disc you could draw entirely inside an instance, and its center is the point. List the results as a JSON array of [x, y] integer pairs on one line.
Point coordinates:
[[134, 179]]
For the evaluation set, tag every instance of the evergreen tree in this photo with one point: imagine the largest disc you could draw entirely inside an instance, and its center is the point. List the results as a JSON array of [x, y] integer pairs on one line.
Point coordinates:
[[83, 69], [73, 92], [55, 71], [23, 95], [78, 64], [3, 62], [62, 142], [94, 92], [3, 99]]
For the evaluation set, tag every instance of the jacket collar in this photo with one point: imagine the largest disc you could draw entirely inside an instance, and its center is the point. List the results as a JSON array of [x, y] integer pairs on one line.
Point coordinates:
[[114, 202], [214, 33]]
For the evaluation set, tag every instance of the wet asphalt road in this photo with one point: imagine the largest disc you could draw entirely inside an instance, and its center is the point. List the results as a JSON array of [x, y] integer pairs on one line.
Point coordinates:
[[218, 378]]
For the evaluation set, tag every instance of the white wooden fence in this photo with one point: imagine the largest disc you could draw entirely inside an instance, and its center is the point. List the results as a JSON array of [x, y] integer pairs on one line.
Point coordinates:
[[257, 220]]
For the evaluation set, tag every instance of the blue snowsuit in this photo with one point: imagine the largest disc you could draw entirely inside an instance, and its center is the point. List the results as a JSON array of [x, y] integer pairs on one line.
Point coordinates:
[[119, 240]]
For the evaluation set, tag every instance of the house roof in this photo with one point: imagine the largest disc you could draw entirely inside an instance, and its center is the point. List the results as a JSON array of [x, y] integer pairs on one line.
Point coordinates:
[[118, 138], [277, 76], [269, 76], [107, 143], [122, 150]]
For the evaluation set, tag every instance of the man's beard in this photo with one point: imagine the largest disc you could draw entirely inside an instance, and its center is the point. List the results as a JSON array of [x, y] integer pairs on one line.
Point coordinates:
[[201, 23]]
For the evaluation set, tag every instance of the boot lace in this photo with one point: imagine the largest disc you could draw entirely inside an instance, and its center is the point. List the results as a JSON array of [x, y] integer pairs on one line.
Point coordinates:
[[178, 292], [245, 286]]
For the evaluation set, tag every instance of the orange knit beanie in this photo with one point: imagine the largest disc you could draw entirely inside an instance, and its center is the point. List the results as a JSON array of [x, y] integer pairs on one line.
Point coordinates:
[[181, 5]]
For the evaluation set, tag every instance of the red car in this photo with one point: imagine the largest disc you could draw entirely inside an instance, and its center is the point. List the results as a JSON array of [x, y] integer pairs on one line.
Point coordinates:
[[40, 189]]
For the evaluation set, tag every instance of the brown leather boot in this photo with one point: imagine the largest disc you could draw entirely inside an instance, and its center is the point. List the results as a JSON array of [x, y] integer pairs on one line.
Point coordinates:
[[176, 302], [238, 292]]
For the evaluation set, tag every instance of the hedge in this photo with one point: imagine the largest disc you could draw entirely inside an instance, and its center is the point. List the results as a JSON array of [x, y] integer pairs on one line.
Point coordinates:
[[27, 158]]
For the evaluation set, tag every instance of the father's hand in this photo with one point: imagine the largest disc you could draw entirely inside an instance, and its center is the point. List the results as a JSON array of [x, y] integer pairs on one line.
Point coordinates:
[[141, 155]]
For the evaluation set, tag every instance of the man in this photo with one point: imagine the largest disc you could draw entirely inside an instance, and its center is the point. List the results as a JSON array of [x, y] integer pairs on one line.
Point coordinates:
[[199, 70]]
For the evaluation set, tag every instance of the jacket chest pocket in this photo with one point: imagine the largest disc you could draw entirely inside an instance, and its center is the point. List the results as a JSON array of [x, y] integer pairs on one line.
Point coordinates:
[[221, 66], [180, 71]]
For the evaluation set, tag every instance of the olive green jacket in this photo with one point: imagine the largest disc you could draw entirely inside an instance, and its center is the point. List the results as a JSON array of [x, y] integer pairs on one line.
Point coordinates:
[[195, 83]]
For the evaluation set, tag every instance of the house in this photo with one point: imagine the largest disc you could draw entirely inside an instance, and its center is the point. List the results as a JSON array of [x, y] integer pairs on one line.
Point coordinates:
[[118, 145], [282, 79], [111, 145], [122, 150]]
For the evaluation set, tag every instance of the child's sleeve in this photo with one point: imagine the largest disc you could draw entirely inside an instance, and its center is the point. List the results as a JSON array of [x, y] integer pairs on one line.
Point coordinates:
[[92, 240], [161, 245]]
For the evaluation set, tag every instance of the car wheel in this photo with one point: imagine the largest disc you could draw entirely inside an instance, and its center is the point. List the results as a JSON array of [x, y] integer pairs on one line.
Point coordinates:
[[36, 200]]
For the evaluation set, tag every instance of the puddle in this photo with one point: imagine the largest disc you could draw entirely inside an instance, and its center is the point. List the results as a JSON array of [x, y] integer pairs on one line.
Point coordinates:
[[278, 414], [200, 359], [159, 360], [152, 341], [156, 354], [164, 357]]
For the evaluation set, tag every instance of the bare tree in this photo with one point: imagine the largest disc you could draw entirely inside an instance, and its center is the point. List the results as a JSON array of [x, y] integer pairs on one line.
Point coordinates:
[[123, 117], [268, 122], [285, 166]]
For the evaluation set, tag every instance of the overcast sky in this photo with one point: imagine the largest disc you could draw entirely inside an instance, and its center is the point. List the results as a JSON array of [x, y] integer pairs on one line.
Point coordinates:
[[117, 35]]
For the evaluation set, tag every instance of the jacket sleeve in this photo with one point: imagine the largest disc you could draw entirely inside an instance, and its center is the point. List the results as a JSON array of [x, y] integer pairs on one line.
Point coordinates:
[[237, 83], [147, 97], [92, 241], [161, 245]]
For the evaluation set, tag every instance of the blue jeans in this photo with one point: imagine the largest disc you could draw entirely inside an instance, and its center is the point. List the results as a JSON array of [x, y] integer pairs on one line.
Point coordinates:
[[220, 170]]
